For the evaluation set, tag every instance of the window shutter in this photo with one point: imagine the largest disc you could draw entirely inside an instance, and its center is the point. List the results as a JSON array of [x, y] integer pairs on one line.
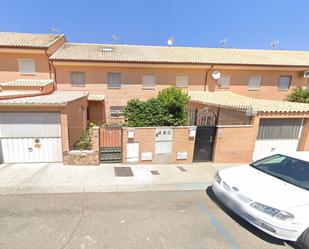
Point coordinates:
[[78, 78], [254, 82], [113, 80], [182, 80], [26, 66], [284, 82], [224, 81], [148, 81]]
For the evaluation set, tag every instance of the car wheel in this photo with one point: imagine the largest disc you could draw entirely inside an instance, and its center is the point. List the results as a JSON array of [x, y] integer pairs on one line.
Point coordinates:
[[303, 240]]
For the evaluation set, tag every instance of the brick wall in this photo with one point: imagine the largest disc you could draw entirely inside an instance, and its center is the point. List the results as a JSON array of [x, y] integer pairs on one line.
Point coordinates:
[[9, 69], [76, 114], [91, 157], [234, 144], [146, 139]]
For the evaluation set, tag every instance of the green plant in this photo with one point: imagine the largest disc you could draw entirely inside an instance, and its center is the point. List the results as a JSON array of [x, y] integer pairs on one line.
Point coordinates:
[[174, 102], [167, 109], [83, 142], [299, 95]]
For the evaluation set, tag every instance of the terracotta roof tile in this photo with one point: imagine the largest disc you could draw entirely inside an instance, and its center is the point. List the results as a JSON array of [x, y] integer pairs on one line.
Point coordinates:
[[258, 105], [190, 55], [12, 39], [55, 98], [27, 83]]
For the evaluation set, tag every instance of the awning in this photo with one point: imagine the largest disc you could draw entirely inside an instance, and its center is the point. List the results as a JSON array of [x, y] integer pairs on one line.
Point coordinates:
[[96, 97], [230, 99]]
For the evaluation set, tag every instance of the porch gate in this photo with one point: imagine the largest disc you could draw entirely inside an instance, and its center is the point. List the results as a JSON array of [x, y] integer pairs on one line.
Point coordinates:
[[206, 121], [110, 144]]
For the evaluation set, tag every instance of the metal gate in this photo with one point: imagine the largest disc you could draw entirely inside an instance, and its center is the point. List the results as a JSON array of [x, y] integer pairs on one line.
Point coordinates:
[[206, 121], [27, 137], [277, 136], [110, 144]]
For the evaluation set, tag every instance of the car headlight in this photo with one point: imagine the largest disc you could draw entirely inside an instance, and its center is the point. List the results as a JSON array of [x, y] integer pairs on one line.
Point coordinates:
[[285, 216], [274, 212], [217, 178]]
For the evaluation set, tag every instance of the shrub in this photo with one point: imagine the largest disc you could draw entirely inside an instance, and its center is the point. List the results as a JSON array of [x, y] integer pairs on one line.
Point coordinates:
[[299, 95], [167, 109], [83, 142]]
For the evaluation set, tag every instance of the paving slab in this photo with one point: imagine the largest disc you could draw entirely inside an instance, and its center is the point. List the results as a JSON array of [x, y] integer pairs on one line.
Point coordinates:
[[59, 178]]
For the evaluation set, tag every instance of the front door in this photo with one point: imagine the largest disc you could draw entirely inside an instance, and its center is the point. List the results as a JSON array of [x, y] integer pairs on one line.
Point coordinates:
[[204, 143]]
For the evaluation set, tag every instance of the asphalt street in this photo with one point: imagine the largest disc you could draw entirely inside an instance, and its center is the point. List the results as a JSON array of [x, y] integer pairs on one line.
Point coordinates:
[[132, 220]]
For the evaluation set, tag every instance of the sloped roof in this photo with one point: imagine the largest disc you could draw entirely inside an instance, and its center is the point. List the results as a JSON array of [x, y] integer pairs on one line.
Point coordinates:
[[8, 93], [190, 55], [27, 40], [27, 83], [258, 105], [55, 98]]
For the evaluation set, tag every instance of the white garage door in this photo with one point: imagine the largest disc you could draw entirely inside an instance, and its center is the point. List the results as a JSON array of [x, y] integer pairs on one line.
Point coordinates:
[[30, 137], [277, 136]]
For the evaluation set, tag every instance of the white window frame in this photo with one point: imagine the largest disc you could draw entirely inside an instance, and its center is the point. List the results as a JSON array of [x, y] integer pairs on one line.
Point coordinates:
[[284, 76], [78, 84], [181, 84], [144, 85], [226, 77], [108, 78], [255, 78], [116, 113], [26, 72]]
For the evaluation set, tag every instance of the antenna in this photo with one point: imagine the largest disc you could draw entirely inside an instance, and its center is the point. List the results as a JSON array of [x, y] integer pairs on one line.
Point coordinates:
[[274, 44], [53, 30], [223, 42], [114, 38], [170, 40]]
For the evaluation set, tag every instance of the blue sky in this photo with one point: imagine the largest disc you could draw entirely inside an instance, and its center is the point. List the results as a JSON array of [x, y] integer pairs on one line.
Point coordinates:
[[246, 23]]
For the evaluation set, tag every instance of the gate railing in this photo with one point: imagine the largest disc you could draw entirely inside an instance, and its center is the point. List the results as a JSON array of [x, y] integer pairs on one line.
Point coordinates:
[[221, 115]]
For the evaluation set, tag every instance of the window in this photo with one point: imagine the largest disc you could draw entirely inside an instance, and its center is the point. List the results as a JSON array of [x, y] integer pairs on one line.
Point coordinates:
[[182, 80], [254, 82], [116, 111], [26, 66], [148, 81], [113, 80], [77, 78], [224, 81], [284, 82]]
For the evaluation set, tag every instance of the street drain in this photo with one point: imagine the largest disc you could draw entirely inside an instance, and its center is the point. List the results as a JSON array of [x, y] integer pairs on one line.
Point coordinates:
[[181, 168], [155, 172], [123, 171]]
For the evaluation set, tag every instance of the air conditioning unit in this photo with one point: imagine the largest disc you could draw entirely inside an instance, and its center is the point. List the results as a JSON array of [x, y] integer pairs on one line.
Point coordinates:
[[305, 74]]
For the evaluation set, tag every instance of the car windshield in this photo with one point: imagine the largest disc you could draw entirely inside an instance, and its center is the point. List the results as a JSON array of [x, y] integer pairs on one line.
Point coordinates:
[[289, 169]]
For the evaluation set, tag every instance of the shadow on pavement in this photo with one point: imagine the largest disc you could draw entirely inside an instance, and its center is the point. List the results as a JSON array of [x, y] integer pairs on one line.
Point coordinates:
[[252, 229]]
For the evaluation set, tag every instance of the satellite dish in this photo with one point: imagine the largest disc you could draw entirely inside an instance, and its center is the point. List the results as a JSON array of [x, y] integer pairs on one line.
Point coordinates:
[[170, 41], [216, 75]]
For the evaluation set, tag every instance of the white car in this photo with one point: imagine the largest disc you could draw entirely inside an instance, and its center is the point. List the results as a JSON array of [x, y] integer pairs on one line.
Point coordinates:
[[271, 194]]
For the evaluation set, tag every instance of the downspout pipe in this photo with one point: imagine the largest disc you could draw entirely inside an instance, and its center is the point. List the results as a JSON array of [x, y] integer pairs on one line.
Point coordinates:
[[206, 76], [55, 75], [49, 66]]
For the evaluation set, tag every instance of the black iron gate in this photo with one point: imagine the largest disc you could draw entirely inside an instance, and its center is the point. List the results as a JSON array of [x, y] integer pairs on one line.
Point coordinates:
[[206, 121], [204, 143]]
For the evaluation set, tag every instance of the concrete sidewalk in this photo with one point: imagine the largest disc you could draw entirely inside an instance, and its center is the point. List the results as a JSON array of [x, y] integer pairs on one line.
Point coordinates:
[[57, 178]]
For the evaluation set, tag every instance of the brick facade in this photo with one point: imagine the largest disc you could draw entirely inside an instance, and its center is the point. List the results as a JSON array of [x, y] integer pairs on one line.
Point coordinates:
[[146, 139]]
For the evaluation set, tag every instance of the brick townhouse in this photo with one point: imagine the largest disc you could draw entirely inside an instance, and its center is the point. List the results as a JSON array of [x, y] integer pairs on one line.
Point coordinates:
[[246, 104]]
